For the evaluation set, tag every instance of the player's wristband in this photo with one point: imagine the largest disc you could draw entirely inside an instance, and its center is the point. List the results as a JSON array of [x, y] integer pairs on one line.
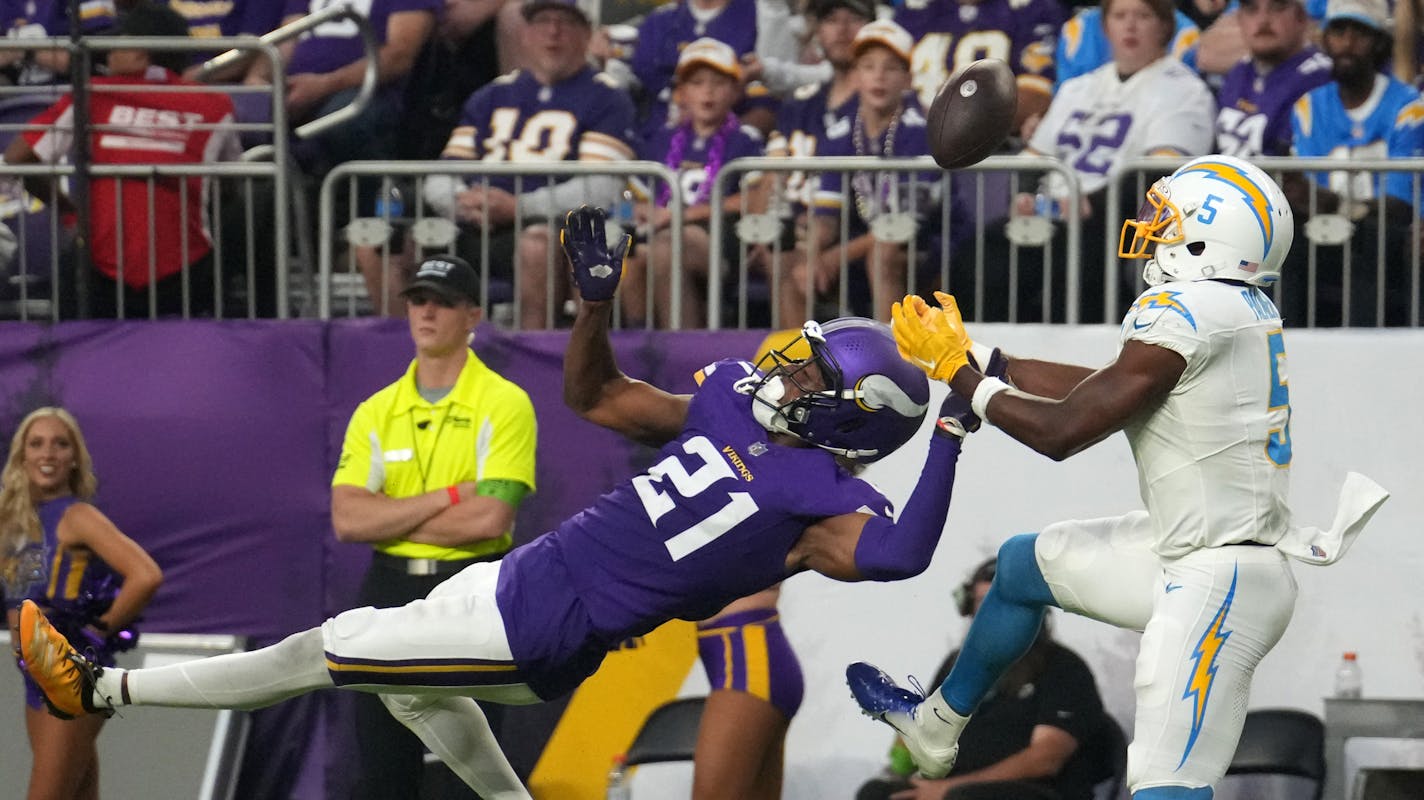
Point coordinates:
[[982, 353], [980, 401], [454, 495]]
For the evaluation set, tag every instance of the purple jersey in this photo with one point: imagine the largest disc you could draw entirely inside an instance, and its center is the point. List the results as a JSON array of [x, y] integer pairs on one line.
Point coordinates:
[[712, 521], [33, 19], [950, 35], [744, 142], [1255, 115], [585, 117], [672, 27], [875, 193], [333, 45], [230, 17], [801, 133]]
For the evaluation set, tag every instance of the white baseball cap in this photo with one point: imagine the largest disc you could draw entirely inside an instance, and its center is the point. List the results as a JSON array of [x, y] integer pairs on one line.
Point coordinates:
[[1371, 13], [887, 34], [710, 53]]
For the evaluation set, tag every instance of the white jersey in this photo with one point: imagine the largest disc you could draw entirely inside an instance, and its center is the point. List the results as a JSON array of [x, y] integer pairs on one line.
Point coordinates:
[[1213, 460], [1096, 121]]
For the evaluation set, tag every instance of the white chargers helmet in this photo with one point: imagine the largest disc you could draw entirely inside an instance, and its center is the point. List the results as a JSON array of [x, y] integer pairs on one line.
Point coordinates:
[[1215, 217]]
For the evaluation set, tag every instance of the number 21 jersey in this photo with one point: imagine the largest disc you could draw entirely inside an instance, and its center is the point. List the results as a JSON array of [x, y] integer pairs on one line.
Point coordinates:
[[711, 521]]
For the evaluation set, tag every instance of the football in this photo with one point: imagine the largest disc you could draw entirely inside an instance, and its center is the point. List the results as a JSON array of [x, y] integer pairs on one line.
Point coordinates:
[[972, 114]]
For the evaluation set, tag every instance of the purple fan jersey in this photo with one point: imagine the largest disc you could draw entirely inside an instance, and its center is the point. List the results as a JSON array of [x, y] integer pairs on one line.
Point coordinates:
[[712, 521], [672, 27], [744, 142], [333, 45], [950, 35], [1255, 115], [878, 192], [585, 117], [229, 17], [801, 133]]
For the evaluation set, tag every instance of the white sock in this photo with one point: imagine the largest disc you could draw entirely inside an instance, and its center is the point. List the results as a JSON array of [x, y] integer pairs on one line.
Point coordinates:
[[294, 666], [937, 719], [456, 730]]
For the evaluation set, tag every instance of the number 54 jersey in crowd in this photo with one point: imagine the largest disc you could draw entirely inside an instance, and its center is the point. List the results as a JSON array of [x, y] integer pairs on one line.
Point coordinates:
[[711, 521]]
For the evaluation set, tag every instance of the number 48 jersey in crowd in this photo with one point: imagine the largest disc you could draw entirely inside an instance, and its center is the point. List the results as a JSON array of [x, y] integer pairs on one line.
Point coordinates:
[[713, 520]]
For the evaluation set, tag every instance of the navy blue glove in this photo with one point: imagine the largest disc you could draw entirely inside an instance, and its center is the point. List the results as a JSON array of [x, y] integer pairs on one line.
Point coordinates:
[[997, 367], [956, 417], [585, 242]]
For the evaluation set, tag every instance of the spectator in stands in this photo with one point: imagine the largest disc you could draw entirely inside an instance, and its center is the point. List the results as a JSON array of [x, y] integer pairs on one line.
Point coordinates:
[[951, 34], [889, 207], [1144, 102], [37, 19], [1040, 734], [705, 136], [802, 120], [227, 18], [1258, 93], [458, 60], [668, 30], [1084, 43], [324, 70], [61, 552], [1362, 113], [146, 127], [560, 109]]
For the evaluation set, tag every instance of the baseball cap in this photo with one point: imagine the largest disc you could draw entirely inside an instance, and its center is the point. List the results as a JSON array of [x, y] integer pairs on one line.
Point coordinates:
[[887, 34], [712, 53], [822, 8], [451, 277], [1371, 13], [532, 7]]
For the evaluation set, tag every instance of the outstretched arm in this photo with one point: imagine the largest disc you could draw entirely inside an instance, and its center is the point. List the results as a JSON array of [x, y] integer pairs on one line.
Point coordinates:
[[1093, 407], [855, 547], [594, 387]]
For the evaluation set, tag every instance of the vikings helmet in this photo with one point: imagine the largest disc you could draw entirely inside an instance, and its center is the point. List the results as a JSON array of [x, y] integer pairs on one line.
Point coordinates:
[[857, 396], [1215, 217]]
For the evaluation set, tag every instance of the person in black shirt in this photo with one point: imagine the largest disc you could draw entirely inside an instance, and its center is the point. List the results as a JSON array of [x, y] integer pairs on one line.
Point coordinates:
[[1040, 735]]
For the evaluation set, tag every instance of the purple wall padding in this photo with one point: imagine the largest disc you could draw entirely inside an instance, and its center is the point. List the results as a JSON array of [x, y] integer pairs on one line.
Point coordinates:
[[215, 442]]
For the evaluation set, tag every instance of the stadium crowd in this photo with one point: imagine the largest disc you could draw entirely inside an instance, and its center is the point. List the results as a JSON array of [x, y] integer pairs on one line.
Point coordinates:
[[695, 84]]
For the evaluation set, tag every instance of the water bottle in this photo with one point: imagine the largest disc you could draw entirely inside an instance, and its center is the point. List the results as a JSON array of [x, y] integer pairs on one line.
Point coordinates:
[[1349, 680], [1045, 206], [901, 762], [623, 211], [618, 788], [390, 206]]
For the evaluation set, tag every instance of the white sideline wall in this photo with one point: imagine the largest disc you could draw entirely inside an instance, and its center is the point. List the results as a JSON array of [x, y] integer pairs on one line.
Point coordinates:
[[1353, 408]]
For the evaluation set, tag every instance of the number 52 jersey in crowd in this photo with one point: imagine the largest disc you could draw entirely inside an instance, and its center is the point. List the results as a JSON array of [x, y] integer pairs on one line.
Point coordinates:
[[711, 521]]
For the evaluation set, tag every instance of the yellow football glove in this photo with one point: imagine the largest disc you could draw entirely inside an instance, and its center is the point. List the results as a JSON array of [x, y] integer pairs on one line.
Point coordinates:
[[925, 338]]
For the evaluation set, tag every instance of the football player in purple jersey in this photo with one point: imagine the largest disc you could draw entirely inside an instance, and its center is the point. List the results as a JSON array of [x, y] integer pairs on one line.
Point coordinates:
[[1257, 94], [755, 482]]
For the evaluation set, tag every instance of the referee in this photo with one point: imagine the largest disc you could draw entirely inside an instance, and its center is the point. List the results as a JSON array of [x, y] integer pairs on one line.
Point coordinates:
[[432, 470]]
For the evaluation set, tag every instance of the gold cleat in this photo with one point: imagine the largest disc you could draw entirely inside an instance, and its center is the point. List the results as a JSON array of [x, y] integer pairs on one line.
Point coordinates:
[[64, 675]]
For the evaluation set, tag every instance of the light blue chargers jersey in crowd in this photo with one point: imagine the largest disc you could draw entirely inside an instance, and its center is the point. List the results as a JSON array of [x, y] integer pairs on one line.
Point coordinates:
[[1322, 127], [1083, 44]]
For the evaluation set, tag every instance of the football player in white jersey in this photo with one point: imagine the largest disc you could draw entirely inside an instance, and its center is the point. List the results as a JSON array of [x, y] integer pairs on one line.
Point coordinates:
[[1200, 389]]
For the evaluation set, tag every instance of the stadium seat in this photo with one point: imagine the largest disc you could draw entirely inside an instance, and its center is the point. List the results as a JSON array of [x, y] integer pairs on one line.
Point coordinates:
[[1283, 742], [669, 733]]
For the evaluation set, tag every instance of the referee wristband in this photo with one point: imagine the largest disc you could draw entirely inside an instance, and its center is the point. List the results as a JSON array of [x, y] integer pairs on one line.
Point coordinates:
[[454, 495], [980, 401]]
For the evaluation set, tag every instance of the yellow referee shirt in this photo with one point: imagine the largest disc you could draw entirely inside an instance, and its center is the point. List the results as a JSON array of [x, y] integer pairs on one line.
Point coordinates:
[[399, 445]]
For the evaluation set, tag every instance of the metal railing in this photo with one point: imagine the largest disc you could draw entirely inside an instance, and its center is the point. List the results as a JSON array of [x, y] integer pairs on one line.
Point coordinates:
[[436, 232], [943, 209], [1327, 236]]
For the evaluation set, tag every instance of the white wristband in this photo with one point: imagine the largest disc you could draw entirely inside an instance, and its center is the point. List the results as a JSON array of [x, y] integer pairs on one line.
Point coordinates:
[[987, 389]]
